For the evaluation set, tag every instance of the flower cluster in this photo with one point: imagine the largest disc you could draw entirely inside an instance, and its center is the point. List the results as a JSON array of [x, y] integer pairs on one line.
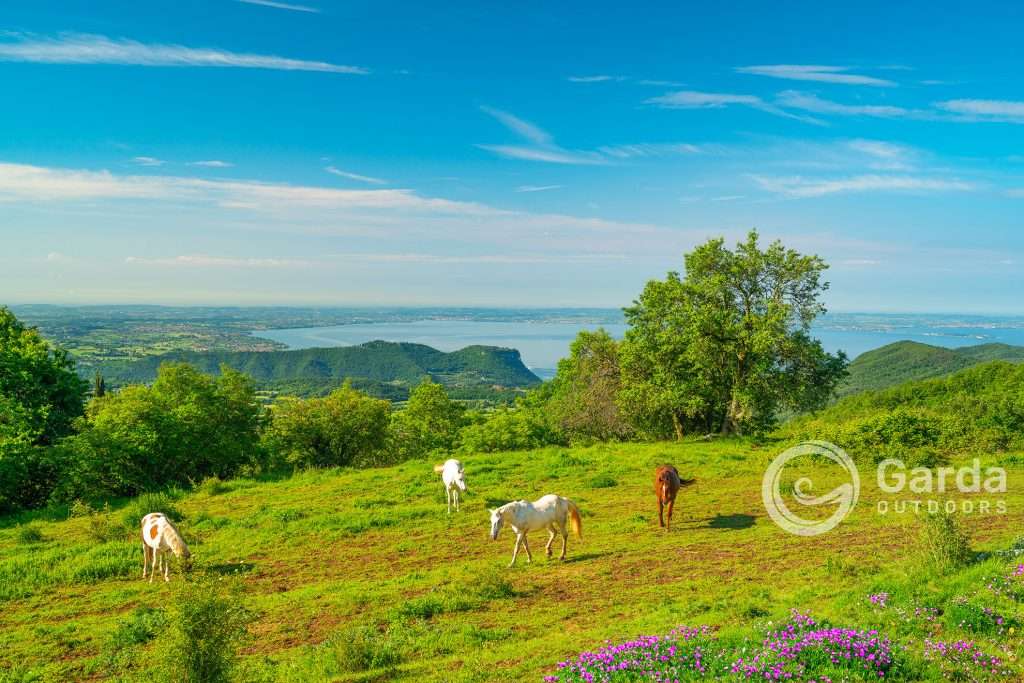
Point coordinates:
[[687, 653], [1010, 585], [964, 658], [879, 599], [802, 649]]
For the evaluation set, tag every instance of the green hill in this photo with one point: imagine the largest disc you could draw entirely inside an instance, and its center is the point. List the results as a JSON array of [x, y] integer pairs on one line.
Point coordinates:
[[975, 410], [382, 368], [904, 361]]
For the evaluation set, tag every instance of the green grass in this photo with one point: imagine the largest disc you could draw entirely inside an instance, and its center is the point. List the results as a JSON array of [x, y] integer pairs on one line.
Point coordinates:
[[361, 575]]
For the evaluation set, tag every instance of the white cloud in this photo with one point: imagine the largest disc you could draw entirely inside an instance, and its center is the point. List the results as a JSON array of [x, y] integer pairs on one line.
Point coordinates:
[[801, 187], [58, 257], [794, 99], [204, 261], [1005, 111], [212, 163], [537, 188], [82, 48], [148, 161], [809, 72], [520, 127], [692, 99], [478, 258], [542, 148], [355, 176], [282, 5], [727, 198], [593, 79], [650, 150]]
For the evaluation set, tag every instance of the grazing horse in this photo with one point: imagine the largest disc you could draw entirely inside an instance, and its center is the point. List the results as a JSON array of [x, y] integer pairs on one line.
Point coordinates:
[[454, 479], [666, 486], [550, 512], [159, 536]]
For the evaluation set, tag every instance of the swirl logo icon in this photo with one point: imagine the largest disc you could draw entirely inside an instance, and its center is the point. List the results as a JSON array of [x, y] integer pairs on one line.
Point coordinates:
[[844, 497]]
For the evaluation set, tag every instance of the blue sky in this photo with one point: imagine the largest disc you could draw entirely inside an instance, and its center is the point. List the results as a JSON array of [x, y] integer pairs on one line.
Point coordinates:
[[321, 152]]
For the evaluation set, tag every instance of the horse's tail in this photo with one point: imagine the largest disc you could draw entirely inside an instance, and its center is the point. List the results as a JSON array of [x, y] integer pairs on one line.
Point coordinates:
[[439, 468], [574, 519]]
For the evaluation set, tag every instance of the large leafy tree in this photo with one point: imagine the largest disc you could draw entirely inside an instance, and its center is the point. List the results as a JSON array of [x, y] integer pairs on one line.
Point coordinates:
[[728, 346], [585, 391], [40, 396]]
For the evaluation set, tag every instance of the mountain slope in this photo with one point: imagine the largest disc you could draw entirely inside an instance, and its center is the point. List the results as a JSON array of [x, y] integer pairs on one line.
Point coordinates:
[[378, 366], [904, 361]]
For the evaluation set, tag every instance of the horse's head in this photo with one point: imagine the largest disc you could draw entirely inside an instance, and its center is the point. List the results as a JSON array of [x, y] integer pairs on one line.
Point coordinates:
[[460, 480], [497, 519]]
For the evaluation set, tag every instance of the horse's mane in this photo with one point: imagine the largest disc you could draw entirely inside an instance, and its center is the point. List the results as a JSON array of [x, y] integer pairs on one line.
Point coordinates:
[[174, 539]]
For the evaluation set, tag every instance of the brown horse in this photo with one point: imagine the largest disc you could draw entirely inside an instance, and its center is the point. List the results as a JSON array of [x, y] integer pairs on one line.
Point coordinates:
[[666, 485]]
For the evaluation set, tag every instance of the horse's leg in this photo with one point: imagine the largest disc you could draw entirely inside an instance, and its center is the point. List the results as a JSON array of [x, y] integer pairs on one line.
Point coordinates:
[[455, 493], [448, 497], [515, 551], [565, 540], [152, 564], [145, 558], [551, 538], [671, 504], [167, 567], [661, 512], [529, 555]]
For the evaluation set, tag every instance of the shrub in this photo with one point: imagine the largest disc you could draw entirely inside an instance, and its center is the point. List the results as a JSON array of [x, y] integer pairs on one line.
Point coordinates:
[[29, 533], [944, 544], [206, 627], [429, 423], [510, 429], [602, 481], [343, 428], [186, 427], [363, 648], [213, 486], [138, 629], [162, 501]]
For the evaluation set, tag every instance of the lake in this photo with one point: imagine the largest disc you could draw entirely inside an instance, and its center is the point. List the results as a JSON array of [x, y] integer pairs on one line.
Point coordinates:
[[543, 342]]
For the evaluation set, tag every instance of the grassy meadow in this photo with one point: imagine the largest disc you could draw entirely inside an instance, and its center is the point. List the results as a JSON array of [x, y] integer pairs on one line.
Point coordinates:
[[361, 575]]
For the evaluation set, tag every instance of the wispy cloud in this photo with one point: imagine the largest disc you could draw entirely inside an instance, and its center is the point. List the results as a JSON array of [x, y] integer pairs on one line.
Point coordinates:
[[212, 163], [650, 149], [593, 79], [537, 188], [802, 187], [282, 5], [148, 161], [355, 176], [542, 147], [812, 72], [58, 257], [205, 261], [794, 99], [692, 99], [1005, 111], [728, 198], [82, 48]]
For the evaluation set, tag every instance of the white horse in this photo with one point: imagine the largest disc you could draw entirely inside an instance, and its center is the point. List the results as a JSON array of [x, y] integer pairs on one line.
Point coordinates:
[[550, 512], [454, 479], [159, 536]]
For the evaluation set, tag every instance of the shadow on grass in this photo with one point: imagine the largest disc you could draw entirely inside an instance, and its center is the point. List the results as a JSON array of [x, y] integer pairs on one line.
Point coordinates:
[[582, 557], [731, 522], [226, 568]]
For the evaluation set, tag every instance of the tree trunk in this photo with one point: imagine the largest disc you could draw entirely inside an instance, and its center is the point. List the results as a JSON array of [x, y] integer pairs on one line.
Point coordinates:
[[729, 424], [677, 424]]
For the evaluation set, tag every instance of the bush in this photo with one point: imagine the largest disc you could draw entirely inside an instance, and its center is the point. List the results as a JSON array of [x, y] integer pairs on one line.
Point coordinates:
[[161, 501], [429, 423], [186, 427], [206, 627], [138, 629], [945, 545], [29, 533], [602, 481], [363, 648], [343, 428], [510, 429]]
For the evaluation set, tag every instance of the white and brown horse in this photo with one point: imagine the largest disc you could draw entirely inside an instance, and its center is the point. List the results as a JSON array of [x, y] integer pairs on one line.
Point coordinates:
[[550, 512], [160, 536]]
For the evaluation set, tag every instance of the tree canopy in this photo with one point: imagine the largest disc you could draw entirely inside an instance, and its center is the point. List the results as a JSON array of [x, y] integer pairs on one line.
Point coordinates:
[[727, 346]]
